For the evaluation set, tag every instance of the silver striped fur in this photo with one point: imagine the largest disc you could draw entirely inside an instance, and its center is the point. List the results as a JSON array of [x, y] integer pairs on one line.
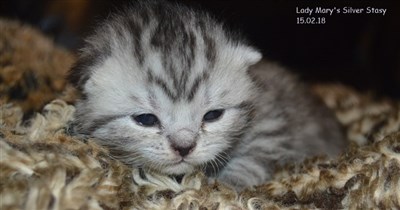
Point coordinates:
[[178, 63]]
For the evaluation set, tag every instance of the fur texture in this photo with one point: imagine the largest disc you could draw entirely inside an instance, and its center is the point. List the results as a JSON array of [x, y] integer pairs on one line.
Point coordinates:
[[177, 65], [42, 167]]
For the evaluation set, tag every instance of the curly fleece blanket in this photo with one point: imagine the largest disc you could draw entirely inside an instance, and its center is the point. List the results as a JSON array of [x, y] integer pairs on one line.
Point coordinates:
[[43, 167]]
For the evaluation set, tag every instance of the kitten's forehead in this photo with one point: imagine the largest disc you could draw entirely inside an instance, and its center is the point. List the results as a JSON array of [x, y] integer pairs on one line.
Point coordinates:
[[175, 82], [156, 48]]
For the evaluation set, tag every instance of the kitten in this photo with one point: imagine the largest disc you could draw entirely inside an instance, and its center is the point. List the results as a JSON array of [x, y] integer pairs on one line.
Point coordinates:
[[169, 89]]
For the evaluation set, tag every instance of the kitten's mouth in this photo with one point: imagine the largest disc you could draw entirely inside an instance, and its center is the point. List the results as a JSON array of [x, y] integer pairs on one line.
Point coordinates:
[[182, 160], [178, 167], [185, 161]]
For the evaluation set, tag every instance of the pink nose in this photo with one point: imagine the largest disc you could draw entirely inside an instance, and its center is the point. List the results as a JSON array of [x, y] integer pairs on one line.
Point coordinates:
[[183, 151], [183, 141]]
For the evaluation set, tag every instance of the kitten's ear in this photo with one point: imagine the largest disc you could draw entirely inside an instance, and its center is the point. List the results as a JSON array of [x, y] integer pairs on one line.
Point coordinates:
[[251, 55]]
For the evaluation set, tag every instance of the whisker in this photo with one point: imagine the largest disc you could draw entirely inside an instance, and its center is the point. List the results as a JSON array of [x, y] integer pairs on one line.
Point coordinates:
[[212, 165]]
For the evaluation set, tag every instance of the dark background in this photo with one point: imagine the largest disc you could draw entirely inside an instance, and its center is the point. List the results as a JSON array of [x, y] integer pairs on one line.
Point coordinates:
[[360, 50]]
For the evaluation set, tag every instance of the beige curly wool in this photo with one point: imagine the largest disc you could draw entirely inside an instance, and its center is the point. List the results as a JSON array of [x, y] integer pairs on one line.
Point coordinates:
[[43, 167]]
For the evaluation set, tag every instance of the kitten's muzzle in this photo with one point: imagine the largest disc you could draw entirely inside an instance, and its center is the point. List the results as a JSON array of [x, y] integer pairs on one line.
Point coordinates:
[[183, 151], [183, 141]]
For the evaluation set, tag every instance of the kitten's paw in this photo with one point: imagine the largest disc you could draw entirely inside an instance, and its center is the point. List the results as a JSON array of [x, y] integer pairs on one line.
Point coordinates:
[[236, 182], [240, 179]]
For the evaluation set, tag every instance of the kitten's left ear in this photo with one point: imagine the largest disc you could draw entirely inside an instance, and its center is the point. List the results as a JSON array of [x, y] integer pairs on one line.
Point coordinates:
[[250, 55]]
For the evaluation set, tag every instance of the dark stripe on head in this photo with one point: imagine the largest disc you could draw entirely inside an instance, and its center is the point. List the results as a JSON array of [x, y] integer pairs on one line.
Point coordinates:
[[209, 43], [166, 30], [191, 48], [210, 50], [171, 36], [97, 123], [135, 29], [170, 69], [79, 72], [200, 79], [152, 79], [163, 85]]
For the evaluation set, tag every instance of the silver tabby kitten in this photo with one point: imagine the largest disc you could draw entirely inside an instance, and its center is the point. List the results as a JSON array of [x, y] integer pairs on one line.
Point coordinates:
[[169, 89]]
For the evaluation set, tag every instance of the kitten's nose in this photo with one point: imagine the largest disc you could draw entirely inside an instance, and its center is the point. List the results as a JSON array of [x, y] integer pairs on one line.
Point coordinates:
[[183, 151], [183, 141]]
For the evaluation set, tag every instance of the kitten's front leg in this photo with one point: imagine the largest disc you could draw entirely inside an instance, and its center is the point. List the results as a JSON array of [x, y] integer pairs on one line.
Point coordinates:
[[245, 172]]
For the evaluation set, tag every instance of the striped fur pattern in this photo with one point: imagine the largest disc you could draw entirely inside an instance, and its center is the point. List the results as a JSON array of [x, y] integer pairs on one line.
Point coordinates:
[[178, 64]]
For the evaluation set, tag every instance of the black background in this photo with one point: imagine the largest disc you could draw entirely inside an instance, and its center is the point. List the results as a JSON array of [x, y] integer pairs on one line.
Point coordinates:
[[361, 50]]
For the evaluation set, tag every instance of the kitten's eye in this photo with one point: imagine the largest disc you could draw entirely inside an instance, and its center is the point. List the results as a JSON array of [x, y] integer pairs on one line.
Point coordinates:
[[213, 115], [146, 119]]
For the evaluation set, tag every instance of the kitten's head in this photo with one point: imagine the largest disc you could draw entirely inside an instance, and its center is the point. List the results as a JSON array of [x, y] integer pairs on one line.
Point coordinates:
[[164, 87]]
